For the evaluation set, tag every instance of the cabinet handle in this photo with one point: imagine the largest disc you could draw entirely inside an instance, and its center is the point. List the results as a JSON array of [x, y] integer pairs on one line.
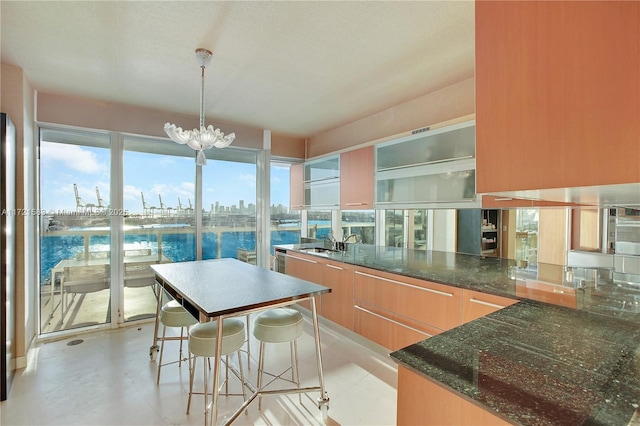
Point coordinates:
[[441, 293], [299, 258], [426, 163], [482, 302], [355, 204], [390, 320], [411, 203], [333, 267]]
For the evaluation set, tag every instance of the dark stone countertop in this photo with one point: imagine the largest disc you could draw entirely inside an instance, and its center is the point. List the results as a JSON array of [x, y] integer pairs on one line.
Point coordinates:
[[531, 363]]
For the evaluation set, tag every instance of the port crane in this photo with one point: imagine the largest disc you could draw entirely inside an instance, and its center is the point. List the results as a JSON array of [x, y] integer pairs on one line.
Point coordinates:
[[164, 209], [180, 208], [101, 204], [80, 204], [145, 208]]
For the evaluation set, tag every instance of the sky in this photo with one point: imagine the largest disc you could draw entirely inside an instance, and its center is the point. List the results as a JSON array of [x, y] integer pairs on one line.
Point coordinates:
[[154, 175]]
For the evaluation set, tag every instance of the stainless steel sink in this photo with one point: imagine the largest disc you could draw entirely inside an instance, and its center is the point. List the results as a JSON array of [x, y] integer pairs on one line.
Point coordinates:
[[318, 250]]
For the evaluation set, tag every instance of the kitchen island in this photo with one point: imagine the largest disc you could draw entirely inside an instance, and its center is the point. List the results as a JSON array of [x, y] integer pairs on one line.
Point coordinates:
[[529, 363]]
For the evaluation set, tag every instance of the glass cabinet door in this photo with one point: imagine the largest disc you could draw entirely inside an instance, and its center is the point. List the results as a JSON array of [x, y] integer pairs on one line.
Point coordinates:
[[446, 144], [322, 194], [454, 182], [428, 169], [326, 168], [322, 183]]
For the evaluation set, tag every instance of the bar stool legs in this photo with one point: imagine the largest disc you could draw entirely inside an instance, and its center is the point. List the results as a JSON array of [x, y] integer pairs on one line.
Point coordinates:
[[295, 373], [278, 326], [206, 368], [202, 343], [173, 314]]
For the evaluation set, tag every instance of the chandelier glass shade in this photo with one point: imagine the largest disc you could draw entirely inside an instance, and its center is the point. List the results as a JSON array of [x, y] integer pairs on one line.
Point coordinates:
[[205, 137]]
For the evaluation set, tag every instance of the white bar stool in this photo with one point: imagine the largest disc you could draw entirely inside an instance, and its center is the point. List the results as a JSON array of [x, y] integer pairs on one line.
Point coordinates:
[[173, 314], [202, 342], [278, 326]]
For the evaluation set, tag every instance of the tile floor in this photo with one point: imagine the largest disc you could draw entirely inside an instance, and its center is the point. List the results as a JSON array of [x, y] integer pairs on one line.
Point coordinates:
[[108, 379]]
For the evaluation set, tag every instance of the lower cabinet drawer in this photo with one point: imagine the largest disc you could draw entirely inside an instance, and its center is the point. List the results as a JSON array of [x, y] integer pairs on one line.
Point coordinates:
[[476, 304], [433, 304], [385, 331]]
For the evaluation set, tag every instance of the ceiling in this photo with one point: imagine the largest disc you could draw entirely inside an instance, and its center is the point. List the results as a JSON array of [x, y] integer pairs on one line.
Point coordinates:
[[297, 68]]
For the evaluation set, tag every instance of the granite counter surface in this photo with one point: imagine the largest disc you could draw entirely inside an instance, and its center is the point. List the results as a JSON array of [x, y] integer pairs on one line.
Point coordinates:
[[538, 364], [531, 363]]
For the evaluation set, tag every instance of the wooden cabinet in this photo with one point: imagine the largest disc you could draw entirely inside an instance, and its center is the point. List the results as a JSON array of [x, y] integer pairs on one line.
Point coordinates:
[[337, 306], [306, 268], [391, 333], [392, 310], [557, 94], [356, 179], [395, 311], [296, 182], [476, 304], [424, 402]]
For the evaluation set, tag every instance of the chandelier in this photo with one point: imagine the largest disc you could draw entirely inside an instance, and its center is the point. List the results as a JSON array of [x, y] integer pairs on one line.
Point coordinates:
[[205, 137]]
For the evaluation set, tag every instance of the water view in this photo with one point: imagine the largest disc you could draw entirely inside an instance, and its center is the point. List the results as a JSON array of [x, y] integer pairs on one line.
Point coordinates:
[[174, 243]]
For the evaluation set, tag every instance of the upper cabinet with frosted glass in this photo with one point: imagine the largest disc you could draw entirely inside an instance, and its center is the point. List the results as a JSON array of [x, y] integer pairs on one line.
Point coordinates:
[[322, 183], [431, 168]]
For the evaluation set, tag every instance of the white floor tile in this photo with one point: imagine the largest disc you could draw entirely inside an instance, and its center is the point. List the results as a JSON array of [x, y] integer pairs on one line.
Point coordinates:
[[108, 379]]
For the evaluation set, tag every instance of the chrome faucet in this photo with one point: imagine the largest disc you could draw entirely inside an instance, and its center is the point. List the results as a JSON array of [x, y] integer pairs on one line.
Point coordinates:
[[347, 238], [332, 240]]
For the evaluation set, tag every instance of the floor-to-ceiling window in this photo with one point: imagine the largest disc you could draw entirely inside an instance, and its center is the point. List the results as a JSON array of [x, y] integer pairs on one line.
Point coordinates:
[[159, 225], [118, 204], [229, 205], [75, 229], [285, 224]]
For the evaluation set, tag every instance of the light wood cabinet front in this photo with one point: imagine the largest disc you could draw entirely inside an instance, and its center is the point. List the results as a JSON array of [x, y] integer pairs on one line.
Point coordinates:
[[476, 304], [306, 268], [296, 186], [337, 306], [357, 179], [429, 303], [385, 331], [557, 94], [423, 402]]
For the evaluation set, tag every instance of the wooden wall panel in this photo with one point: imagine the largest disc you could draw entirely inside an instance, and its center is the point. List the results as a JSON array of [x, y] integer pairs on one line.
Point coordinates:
[[552, 236], [586, 229]]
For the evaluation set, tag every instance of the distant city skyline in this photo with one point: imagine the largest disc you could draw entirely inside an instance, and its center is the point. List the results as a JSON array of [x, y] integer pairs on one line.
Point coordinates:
[[166, 181]]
